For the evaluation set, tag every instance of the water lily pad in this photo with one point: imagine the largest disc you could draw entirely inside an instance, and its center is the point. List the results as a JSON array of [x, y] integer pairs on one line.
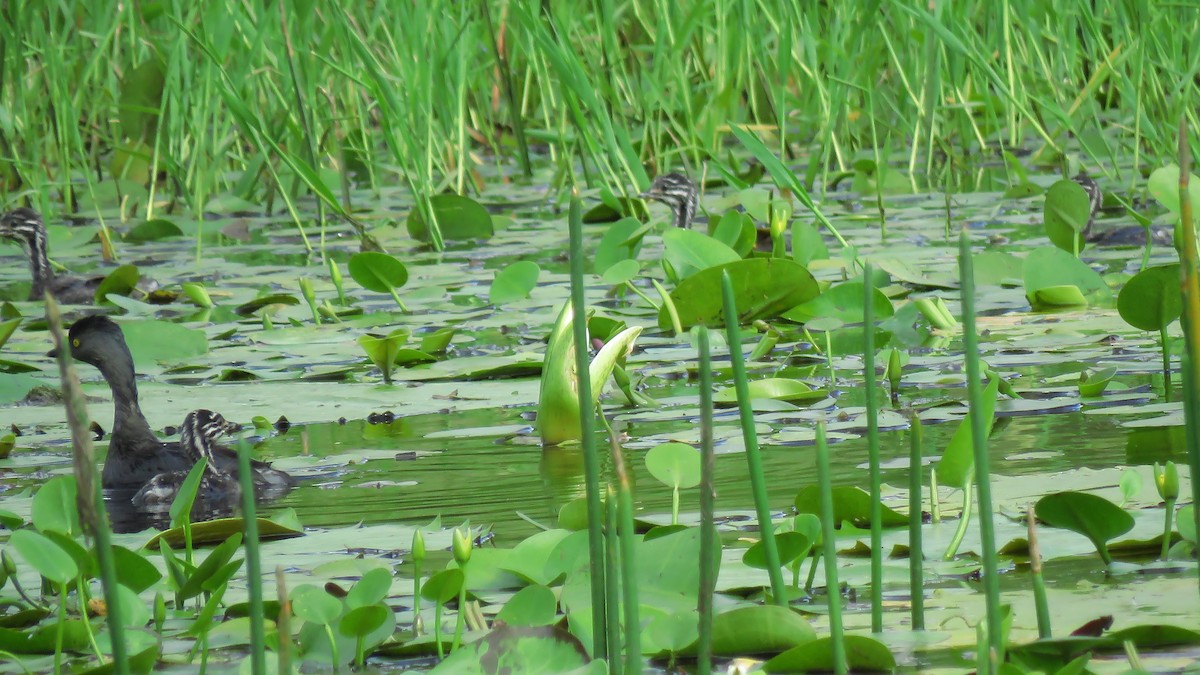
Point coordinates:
[[759, 629], [851, 504], [1094, 517], [458, 217], [153, 230], [1152, 298], [514, 282], [763, 288], [774, 388], [863, 655], [690, 251], [120, 281], [1067, 211], [844, 302], [214, 531]]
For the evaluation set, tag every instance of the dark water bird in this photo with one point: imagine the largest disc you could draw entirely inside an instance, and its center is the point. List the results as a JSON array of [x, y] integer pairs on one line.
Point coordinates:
[[678, 192], [197, 438], [25, 226], [135, 454], [1128, 235]]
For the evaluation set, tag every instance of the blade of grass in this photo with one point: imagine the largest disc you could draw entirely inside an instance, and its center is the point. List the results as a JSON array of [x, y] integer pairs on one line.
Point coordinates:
[[987, 533], [587, 420]]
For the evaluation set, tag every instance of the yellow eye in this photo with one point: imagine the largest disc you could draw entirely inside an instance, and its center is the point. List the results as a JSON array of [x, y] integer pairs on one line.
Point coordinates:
[[75, 342]]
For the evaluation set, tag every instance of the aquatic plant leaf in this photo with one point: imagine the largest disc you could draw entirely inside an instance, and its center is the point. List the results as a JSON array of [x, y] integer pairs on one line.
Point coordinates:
[[458, 217], [1152, 299], [759, 629], [15, 387], [996, 268], [621, 272], [372, 588], [443, 586], [44, 638], [531, 557], [437, 341], [152, 341], [675, 465], [248, 308], [773, 388], [315, 605], [863, 654], [1057, 296], [843, 302], [84, 561], [514, 282], [690, 251], [790, 546], [1090, 515], [736, 230], [1066, 213], [7, 328], [851, 504], [120, 281], [141, 98], [45, 556], [181, 506], [361, 621], [1186, 523], [215, 531], [558, 400], [1153, 636], [957, 464], [1047, 267], [133, 569], [1164, 185], [377, 271], [197, 293], [807, 244], [534, 605], [763, 288], [383, 350], [519, 649], [1094, 383], [153, 230], [217, 559], [672, 633], [54, 507], [618, 244]]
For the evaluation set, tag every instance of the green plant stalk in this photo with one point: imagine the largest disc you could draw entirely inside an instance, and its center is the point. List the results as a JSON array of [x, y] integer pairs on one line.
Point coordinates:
[[916, 551], [1190, 318], [506, 79], [758, 483], [964, 520], [708, 540], [587, 419], [1040, 603], [91, 498], [672, 312], [627, 553], [1164, 343], [612, 577], [1168, 519], [460, 617], [638, 292], [987, 531], [935, 502], [875, 476], [333, 649], [283, 623], [829, 544], [61, 628], [437, 629], [258, 656]]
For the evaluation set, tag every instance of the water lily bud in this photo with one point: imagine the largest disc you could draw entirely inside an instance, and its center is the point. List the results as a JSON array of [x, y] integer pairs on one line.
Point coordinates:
[[1167, 480], [306, 289], [893, 368], [461, 547], [160, 611], [418, 546]]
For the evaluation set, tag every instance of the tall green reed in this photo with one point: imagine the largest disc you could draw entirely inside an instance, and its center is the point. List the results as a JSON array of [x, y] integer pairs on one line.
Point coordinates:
[[93, 516], [587, 420], [987, 532], [758, 482], [709, 546], [256, 614], [828, 539], [874, 473]]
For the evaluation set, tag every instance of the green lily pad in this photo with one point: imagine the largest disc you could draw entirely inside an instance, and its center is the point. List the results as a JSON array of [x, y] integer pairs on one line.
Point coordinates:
[[763, 288], [774, 388], [1152, 298], [863, 655], [1094, 517], [458, 217]]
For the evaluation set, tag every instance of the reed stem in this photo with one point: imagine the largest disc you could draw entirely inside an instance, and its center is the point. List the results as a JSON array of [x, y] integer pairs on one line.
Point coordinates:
[[708, 541], [875, 476]]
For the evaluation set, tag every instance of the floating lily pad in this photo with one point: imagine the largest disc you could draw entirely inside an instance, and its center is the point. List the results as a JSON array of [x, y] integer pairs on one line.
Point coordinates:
[[458, 217], [763, 288], [775, 388], [215, 531], [1067, 211]]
